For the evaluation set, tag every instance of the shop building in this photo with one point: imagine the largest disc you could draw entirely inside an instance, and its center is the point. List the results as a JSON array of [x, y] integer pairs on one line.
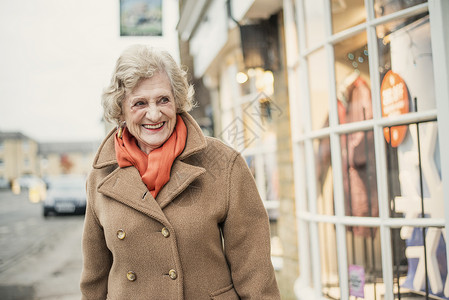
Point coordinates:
[[340, 108]]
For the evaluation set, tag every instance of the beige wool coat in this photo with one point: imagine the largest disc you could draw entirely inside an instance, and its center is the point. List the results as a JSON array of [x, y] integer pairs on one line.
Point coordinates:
[[205, 236]]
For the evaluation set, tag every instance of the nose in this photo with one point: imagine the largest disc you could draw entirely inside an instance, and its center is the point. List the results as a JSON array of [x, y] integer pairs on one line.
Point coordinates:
[[153, 113]]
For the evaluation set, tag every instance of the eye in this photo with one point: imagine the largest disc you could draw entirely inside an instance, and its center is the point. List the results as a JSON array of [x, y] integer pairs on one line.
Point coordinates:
[[164, 100], [139, 103]]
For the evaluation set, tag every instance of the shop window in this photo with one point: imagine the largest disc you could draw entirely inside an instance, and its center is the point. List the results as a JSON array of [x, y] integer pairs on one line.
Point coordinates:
[[347, 13], [319, 90], [228, 134], [251, 162], [314, 21], [272, 176], [324, 180], [386, 7], [415, 184], [406, 66], [248, 116], [359, 174], [382, 177], [353, 80], [328, 259], [419, 263], [364, 263]]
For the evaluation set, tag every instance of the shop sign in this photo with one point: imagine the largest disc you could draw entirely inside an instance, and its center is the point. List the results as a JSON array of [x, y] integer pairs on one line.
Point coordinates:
[[395, 101]]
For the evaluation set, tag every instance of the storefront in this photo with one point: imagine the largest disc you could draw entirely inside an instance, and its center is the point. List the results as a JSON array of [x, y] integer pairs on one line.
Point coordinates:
[[345, 134], [235, 49], [369, 120], [240, 82]]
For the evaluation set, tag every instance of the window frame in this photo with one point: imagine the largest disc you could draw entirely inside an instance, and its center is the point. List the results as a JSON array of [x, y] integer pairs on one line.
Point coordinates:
[[303, 136]]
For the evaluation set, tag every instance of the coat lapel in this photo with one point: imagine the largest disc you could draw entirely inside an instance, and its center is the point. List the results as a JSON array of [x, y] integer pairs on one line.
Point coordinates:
[[181, 176], [126, 186]]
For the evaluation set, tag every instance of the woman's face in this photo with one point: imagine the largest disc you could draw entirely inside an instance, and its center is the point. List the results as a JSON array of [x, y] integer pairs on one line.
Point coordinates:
[[150, 112]]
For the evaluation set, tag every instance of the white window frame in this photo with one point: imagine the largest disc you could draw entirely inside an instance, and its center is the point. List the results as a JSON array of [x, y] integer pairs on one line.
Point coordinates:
[[303, 136]]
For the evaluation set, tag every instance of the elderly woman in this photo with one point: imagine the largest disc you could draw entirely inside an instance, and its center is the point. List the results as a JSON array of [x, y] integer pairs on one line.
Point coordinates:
[[171, 214]]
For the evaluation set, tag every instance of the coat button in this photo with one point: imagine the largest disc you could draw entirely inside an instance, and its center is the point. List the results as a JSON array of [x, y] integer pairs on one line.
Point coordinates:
[[131, 276], [173, 275], [165, 232], [121, 234]]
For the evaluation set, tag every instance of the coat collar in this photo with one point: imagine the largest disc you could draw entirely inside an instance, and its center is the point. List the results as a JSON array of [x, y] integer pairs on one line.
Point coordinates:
[[126, 186], [195, 142]]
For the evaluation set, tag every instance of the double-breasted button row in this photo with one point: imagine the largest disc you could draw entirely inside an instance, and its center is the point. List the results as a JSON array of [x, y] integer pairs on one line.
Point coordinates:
[[121, 234], [131, 276]]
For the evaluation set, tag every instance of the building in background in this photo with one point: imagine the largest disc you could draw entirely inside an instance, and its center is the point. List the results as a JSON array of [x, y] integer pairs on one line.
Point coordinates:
[[66, 158], [21, 156], [340, 108], [18, 155]]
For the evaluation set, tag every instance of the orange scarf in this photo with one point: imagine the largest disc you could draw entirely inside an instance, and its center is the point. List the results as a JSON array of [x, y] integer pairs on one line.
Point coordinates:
[[154, 168]]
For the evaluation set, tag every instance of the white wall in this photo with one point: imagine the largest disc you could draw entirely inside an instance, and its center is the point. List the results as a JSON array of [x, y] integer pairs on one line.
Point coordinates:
[[55, 58]]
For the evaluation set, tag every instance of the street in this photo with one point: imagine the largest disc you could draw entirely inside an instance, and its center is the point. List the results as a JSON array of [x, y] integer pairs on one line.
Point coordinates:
[[40, 258]]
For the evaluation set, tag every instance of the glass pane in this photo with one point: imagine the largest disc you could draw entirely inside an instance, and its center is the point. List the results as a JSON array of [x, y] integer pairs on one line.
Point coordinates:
[[353, 80], [258, 115], [406, 66], [271, 176], [308, 254], [329, 263], [386, 7], [251, 162], [227, 121], [314, 19], [325, 200], [319, 91], [347, 13], [411, 167], [419, 263], [359, 175], [364, 263]]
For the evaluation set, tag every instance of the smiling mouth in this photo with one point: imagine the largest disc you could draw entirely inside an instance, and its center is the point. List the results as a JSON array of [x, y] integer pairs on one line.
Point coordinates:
[[153, 127]]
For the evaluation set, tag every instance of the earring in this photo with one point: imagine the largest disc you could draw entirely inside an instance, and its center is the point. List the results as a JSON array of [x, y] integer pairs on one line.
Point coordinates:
[[120, 129]]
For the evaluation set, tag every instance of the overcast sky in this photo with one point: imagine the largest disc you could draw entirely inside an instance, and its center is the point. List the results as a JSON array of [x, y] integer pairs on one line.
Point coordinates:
[[56, 56]]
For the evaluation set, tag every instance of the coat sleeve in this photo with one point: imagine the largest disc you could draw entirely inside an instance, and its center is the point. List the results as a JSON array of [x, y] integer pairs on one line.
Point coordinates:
[[246, 237], [97, 259]]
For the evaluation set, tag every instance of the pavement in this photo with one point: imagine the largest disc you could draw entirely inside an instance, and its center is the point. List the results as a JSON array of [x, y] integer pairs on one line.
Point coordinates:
[[47, 264]]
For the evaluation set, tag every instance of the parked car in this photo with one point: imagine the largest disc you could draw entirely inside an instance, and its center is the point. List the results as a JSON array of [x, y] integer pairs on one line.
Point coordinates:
[[65, 195]]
